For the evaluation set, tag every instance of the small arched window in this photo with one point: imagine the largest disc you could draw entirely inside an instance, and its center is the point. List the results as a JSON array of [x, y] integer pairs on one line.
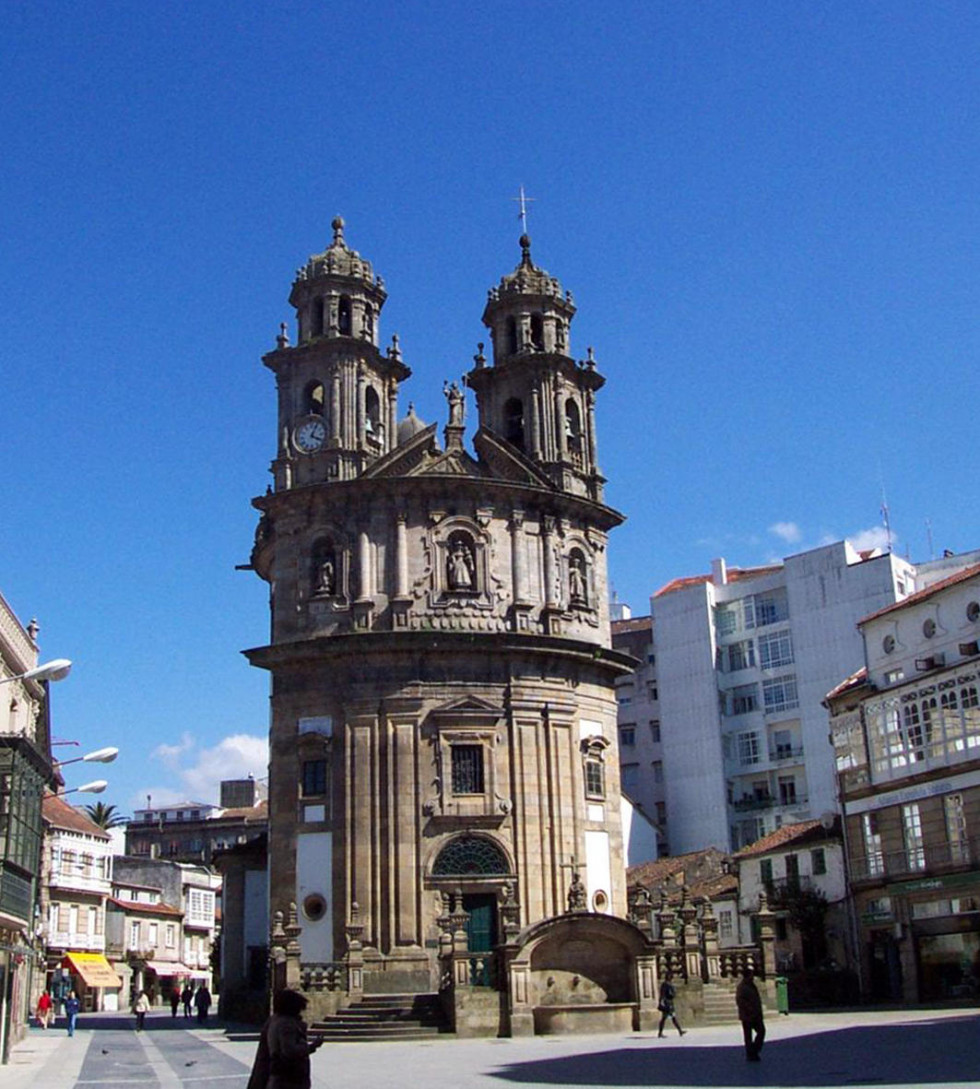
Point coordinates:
[[316, 318], [313, 399], [573, 426], [344, 316], [514, 422], [511, 336], [372, 411], [323, 574], [537, 332]]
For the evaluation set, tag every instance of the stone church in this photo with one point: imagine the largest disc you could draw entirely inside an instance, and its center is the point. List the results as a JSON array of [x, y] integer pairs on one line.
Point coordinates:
[[443, 727]]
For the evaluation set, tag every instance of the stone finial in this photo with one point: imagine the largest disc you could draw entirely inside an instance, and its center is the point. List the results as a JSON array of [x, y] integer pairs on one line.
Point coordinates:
[[590, 359], [394, 351], [480, 359], [338, 230], [282, 341], [525, 243], [32, 629]]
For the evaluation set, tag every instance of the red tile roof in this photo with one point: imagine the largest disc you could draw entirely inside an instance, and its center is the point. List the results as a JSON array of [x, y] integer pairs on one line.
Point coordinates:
[[703, 871], [59, 814], [734, 574], [791, 834], [144, 909], [921, 595], [855, 680], [635, 623]]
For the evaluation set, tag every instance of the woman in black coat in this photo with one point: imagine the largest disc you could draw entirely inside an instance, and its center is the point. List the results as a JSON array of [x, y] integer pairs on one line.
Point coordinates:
[[666, 1005], [283, 1058]]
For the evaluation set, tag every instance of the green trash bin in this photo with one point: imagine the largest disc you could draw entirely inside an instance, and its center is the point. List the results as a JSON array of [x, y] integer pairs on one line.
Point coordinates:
[[782, 995]]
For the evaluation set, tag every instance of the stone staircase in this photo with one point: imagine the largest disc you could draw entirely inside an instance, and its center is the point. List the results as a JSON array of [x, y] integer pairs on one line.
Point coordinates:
[[719, 1005], [385, 1017]]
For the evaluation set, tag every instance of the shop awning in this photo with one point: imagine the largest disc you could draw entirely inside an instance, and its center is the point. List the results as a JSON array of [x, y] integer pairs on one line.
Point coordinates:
[[199, 973], [93, 968], [168, 968]]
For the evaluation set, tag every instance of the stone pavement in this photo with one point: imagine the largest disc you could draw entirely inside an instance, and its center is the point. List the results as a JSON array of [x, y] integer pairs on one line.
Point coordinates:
[[896, 1048]]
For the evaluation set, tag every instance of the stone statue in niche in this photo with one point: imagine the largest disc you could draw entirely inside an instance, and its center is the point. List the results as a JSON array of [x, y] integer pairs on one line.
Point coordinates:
[[577, 895], [326, 576], [576, 579], [460, 568]]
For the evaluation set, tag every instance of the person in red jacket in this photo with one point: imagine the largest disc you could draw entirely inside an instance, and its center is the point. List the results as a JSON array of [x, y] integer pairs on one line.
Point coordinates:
[[44, 1007]]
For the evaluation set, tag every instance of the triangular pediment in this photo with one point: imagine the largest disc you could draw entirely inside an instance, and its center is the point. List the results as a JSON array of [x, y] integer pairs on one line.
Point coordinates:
[[506, 462], [468, 707], [405, 459]]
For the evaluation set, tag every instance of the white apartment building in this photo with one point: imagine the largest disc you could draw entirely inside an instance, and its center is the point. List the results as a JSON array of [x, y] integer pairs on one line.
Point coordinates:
[[77, 882], [744, 659]]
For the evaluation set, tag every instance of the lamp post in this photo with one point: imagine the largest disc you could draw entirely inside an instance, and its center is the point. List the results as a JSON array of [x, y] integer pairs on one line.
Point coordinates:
[[97, 786], [55, 670], [99, 756]]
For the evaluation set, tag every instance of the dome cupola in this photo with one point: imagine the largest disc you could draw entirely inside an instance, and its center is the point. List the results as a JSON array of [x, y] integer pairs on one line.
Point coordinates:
[[336, 293]]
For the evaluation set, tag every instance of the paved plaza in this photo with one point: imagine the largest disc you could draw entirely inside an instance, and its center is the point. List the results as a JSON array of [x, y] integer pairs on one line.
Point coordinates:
[[880, 1048]]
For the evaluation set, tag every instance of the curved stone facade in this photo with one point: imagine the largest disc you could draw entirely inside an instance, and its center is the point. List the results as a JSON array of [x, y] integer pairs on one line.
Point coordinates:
[[440, 633]]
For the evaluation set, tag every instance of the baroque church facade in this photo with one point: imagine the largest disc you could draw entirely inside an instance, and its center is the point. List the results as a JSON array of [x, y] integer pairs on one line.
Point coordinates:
[[443, 720]]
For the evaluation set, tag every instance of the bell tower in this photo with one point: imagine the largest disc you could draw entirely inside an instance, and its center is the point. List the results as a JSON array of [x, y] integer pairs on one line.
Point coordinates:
[[338, 393], [536, 396]]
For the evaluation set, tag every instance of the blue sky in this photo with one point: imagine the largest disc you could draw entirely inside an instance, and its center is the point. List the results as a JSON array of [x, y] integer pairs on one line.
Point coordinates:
[[767, 213]]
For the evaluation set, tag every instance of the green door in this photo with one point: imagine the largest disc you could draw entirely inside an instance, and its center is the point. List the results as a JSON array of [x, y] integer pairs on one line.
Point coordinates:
[[481, 930]]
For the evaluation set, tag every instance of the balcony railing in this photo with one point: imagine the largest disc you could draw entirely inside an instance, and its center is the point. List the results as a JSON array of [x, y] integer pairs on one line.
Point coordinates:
[[755, 802], [781, 891], [916, 861], [782, 753]]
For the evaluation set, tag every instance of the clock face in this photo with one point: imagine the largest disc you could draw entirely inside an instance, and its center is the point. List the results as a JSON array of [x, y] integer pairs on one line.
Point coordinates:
[[310, 435]]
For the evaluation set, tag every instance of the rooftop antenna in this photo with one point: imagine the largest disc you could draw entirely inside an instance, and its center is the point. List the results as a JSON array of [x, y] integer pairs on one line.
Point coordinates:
[[523, 200], [932, 552], [884, 510]]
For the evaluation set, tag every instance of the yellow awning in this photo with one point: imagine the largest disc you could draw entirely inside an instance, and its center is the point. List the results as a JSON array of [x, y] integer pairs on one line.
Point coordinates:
[[93, 968]]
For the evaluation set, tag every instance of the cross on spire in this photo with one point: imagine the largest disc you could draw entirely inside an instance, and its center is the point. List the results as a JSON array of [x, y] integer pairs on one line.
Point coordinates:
[[523, 200]]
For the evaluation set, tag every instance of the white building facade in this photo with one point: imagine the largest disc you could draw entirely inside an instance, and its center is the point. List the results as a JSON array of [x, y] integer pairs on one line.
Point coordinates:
[[744, 659]]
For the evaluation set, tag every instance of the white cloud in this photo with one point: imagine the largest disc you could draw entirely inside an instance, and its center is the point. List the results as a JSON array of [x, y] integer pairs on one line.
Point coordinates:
[[232, 758], [199, 771], [789, 532], [171, 754], [874, 537]]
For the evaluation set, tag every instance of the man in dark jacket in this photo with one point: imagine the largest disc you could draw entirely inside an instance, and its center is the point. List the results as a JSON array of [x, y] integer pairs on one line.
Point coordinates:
[[749, 1003], [283, 1058]]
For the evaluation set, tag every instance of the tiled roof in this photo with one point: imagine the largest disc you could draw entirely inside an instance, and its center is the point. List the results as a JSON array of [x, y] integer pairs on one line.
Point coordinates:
[[246, 813], [139, 908], [791, 834], [59, 814], [856, 679], [703, 872], [733, 574], [922, 595], [635, 623]]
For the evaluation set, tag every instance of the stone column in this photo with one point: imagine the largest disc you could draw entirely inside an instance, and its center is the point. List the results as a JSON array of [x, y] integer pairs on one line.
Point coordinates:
[[401, 551], [335, 411], [535, 424], [355, 952]]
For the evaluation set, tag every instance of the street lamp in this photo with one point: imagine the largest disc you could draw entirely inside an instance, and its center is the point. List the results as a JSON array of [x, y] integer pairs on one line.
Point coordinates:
[[95, 787], [55, 670], [100, 756]]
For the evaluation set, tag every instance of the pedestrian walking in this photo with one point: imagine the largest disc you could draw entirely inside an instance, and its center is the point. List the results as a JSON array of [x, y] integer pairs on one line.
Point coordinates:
[[202, 1000], [44, 1007], [282, 1060], [749, 1003], [72, 1006], [141, 1008], [187, 997], [174, 1001], [668, 993]]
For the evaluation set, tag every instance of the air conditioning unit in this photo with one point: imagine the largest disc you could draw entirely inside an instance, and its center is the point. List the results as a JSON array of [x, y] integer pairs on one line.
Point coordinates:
[[932, 662], [970, 650]]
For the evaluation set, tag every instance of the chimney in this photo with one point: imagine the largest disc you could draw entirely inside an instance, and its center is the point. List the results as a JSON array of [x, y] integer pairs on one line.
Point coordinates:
[[719, 572]]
